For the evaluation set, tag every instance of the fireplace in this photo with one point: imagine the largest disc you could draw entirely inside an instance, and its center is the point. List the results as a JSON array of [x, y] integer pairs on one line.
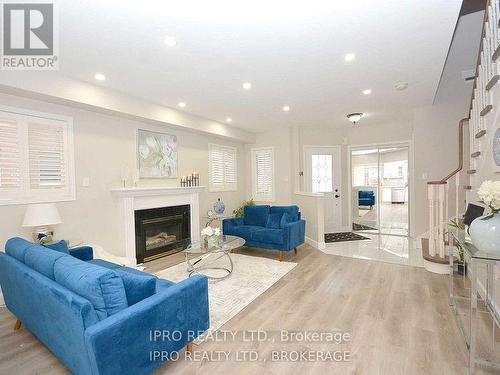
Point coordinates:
[[161, 231]]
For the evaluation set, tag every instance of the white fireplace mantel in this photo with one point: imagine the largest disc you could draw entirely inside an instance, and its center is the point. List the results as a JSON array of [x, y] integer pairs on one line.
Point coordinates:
[[141, 198]]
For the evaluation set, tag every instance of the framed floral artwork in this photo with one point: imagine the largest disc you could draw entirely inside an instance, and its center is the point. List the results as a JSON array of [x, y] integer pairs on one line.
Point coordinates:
[[156, 154]]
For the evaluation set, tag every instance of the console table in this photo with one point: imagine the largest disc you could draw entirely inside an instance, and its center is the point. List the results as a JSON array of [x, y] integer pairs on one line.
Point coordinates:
[[472, 299]]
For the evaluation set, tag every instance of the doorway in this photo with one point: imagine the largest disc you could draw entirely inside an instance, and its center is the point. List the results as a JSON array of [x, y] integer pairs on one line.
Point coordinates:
[[380, 181], [323, 174]]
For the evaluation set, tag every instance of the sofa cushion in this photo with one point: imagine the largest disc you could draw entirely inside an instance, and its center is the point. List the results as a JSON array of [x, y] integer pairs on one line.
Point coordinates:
[[256, 215], [293, 211], [42, 260], [273, 236], [101, 286], [273, 221], [138, 285], [162, 284], [244, 231], [285, 219], [365, 194], [60, 246], [16, 247]]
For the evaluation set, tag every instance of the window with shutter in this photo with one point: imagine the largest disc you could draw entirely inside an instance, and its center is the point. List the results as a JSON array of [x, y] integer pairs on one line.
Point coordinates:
[[36, 157], [263, 173], [222, 168], [10, 169]]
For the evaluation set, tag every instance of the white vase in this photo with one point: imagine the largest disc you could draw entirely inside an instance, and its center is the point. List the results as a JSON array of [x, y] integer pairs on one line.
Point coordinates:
[[485, 233]]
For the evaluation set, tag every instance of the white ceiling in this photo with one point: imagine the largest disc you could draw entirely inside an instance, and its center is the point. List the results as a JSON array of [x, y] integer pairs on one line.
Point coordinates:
[[292, 52]]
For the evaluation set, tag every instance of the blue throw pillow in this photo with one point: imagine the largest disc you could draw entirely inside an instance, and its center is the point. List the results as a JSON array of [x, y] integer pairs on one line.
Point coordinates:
[[256, 215], [285, 219], [274, 221], [60, 246]]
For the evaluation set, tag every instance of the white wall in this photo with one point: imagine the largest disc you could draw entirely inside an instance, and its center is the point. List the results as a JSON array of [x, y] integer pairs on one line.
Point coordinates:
[[103, 146]]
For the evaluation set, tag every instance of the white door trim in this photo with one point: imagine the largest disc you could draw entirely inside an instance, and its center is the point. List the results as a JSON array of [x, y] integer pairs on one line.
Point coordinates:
[[411, 179]]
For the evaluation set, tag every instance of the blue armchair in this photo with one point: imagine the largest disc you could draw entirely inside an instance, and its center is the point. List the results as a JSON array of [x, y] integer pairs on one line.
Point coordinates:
[[366, 198], [270, 227], [98, 317]]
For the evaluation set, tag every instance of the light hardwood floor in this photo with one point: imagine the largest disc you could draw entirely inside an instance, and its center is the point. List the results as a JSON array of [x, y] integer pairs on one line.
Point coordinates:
[[398, 317]]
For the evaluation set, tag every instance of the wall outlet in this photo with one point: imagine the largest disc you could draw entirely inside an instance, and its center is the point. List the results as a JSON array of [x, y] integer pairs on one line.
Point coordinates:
[[86, 182]]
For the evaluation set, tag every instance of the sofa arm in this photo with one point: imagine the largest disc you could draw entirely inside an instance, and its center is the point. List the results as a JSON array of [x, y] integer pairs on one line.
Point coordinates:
[[84, 253], [136, 340], [294, 234], [227, 224]]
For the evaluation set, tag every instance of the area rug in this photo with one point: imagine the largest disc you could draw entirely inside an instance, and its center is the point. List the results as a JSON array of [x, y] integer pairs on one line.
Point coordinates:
[[251, 277], [356, 226], [343, 236]]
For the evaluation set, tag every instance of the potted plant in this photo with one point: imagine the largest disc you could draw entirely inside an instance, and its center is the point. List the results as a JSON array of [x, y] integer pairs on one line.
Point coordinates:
[[240, 210], [461, 265]]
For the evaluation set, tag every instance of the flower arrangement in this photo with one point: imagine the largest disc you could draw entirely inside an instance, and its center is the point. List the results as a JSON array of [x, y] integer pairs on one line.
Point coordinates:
[[489, 193], [210, 237]]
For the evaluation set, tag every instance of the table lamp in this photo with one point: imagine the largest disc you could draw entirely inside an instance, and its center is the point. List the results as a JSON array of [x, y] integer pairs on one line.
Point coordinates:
[[41, 216]]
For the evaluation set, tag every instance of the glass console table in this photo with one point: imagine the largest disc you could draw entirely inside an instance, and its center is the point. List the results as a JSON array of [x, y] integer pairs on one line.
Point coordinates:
[[472, 299]]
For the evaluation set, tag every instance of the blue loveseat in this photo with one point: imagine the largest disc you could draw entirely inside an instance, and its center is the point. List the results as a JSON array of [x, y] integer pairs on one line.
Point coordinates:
[[98, 317], [269, 227], [366, 198]]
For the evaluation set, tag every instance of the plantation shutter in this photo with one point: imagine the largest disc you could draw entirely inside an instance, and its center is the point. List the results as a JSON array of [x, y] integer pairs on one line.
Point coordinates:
[[46, 150], [263, 173], [222, 168], [10, 155]]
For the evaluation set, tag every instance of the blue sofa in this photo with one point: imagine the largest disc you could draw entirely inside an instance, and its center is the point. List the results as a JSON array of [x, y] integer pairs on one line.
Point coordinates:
[[269, 227], [366, 198], [98, 317]]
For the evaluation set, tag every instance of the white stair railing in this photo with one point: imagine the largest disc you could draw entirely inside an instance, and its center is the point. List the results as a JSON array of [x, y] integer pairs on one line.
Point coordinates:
[[487, 76]]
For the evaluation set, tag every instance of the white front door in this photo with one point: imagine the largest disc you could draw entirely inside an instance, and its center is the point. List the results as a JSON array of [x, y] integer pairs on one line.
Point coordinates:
[[323, 174]]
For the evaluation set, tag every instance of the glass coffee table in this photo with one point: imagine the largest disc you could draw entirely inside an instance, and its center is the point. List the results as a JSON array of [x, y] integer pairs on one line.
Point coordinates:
[[215, 262]]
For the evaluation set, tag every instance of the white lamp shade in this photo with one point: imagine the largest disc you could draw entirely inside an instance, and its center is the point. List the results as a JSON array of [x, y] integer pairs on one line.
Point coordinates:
[[41, 214]]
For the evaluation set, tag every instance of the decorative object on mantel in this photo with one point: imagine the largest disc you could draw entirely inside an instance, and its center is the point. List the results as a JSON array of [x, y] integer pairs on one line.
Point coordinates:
[[210, 237], [496, 151], [485, 230], [219, 207], [124, 176], [156, 154], [190, 180], [41, 216]]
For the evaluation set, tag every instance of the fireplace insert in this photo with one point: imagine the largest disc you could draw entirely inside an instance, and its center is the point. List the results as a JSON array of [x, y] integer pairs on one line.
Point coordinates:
[[161, 231]]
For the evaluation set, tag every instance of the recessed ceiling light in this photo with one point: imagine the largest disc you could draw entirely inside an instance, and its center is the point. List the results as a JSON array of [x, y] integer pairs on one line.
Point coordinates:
[[400, 86], [181, 104], [247, 85], [286, 108], [229, 119], [170, 41], [100, 77], [367, 92], [350, 57]]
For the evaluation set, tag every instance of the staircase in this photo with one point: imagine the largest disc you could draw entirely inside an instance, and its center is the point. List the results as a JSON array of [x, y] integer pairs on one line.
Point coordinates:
[[483, 113]]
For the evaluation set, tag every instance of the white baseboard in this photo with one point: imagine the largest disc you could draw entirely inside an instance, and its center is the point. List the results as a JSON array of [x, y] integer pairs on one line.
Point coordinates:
[[316, 244], [439, 268], [482, 292]]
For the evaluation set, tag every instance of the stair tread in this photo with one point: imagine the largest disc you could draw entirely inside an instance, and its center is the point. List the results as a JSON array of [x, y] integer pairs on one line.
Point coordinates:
[[493, 81], [497, 51], [481, 133], [486, 109]]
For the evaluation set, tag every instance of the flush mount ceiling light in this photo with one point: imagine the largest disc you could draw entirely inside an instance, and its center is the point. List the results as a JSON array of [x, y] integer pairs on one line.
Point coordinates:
[[181, 104], [354, 117], [367, 92], [100, 77], [400, 86], [286, 108], [349, 57], [229, 119], [170, 41], [247, 85]]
